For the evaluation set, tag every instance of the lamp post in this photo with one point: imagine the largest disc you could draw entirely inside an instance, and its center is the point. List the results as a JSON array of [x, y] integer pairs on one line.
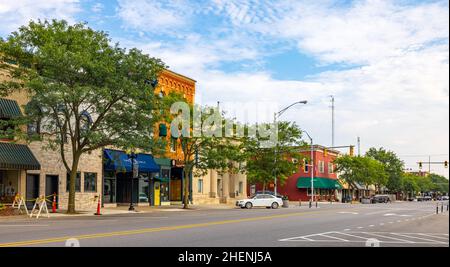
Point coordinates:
[[134, 165], [311, 169], [275, 117]]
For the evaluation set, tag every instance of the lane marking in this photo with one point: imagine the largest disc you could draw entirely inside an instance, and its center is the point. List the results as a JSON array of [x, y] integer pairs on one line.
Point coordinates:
[[398, 239], [333, 237], [348, 212], [426, 239], [153, 230], [24, 225], [371, 225]]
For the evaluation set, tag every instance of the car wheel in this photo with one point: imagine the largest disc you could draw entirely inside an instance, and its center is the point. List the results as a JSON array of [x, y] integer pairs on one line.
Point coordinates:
[[248, 205], [275, 205]]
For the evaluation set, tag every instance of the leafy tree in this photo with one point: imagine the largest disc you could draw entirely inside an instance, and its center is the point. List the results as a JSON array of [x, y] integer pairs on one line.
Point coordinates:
[[409, 184], [88, 93], [282, 160], [362, 170], [204, 151], [392, 164], [440, 183]]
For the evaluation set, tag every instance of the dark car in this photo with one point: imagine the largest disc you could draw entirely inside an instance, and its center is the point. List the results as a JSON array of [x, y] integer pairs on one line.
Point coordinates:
[[381, 199]]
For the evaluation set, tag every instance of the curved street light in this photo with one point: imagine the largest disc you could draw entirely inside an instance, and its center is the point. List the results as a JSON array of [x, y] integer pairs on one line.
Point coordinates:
[[275, 117]]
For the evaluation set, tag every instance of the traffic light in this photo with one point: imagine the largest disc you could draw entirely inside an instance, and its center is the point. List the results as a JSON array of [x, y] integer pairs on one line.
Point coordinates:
[[352, 148], [446, 164], [420, 165]]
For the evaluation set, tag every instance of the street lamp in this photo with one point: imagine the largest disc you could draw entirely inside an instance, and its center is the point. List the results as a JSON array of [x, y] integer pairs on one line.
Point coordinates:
[[134, 174], [311, 169], [276, 115]]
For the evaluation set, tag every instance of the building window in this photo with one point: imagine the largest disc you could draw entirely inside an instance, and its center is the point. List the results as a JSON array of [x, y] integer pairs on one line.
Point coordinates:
[[305, 165], [330, 168], [90, 182], [321, 166], [200, 186], [241, 187], [173, 144], [77, 182]]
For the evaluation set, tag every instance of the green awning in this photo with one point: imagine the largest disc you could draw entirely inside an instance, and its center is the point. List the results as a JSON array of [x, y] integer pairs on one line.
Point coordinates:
[[319, 183], [17, 157], [9, 109], [162, 179]]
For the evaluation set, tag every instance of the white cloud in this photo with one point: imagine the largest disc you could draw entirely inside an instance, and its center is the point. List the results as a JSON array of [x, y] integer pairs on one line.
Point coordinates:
[[154, 15], [14, 14]]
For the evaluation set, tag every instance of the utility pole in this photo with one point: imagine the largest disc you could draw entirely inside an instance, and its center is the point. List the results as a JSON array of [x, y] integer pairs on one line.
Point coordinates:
[[332, 120], [359, 146]]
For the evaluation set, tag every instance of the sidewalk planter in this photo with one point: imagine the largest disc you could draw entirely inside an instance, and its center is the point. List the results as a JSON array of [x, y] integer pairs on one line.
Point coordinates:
[[285, 203]]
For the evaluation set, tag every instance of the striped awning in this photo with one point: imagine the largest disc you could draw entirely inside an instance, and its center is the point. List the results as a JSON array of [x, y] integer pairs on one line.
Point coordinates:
[[17, 157], [9, 109]]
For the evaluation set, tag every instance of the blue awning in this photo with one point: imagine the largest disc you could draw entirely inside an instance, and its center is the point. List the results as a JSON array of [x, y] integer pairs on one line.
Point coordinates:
[[118, 161]]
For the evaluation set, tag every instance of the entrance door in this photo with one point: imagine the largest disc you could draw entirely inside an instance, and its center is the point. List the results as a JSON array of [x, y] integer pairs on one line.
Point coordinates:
[[51, 187], [157, 194], [32, 191]]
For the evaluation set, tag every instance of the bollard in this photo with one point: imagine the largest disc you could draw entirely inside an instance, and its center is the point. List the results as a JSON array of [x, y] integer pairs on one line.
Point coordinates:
[[54, 203], [310, 204], [316, 204], [437, 209], [442, 208], [300, 202]]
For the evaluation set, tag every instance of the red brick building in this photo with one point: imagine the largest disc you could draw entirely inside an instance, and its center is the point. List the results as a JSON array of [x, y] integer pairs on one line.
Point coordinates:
[[298, 186]]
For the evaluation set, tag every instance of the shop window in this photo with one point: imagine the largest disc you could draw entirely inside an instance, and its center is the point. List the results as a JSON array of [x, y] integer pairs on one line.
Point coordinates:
[[200, 186], [77, 182], [90, 182]]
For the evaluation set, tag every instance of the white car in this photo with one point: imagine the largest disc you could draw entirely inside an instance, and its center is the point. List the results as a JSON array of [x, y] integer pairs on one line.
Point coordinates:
[[262, 200]]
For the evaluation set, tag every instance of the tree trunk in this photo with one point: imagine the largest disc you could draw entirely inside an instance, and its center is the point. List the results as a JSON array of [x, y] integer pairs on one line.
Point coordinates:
[[264, 187], [73, 174], [186, 189]]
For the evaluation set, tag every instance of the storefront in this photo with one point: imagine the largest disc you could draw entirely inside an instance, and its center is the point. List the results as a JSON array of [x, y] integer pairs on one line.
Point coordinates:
[[15, 160], [325, 189], [161, 187], [117, 177]]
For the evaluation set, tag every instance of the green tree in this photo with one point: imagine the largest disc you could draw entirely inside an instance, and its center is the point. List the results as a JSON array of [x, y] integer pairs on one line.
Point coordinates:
[[282, 160], [440, 183], [409, 184], [362, 170], [87, 93], [211, 148], [392, 164]]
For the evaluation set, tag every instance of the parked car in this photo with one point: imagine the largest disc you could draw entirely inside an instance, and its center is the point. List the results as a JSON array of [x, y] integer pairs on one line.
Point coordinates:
[[268, 192], [260, 200], [143, 197], [427, 198], [381, 199], [443, 198]]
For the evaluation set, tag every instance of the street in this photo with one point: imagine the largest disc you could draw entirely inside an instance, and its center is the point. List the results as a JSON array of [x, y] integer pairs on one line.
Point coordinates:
[[397, 224]]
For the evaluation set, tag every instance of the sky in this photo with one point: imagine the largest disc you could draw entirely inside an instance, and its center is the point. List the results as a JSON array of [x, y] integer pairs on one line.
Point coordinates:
[[385, 62]]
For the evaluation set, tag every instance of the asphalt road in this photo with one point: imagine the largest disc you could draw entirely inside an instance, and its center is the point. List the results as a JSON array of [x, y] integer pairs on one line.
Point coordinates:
[[397, 224]]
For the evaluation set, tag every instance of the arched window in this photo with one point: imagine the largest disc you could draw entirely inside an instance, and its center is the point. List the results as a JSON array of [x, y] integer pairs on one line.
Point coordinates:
[[85, 121], [34, 112]]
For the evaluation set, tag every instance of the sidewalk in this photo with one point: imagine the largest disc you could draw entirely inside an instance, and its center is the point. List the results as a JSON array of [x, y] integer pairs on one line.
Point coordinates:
[[120, 210]]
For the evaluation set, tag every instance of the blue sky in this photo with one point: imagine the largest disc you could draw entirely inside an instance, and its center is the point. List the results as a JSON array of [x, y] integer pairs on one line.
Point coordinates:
[[386, 62]]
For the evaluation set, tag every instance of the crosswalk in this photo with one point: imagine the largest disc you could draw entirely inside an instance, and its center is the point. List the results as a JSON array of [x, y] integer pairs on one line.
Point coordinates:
[[368, 237]]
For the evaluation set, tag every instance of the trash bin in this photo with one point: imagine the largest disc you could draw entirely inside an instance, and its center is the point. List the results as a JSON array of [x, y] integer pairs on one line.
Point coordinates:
[[285, 203]]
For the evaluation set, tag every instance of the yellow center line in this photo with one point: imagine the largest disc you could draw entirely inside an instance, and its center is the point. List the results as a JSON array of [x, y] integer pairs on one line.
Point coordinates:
[[152, 230]]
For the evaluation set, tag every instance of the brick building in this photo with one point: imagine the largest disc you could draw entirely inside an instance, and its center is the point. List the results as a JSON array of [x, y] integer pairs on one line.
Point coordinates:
[[298, 186]]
